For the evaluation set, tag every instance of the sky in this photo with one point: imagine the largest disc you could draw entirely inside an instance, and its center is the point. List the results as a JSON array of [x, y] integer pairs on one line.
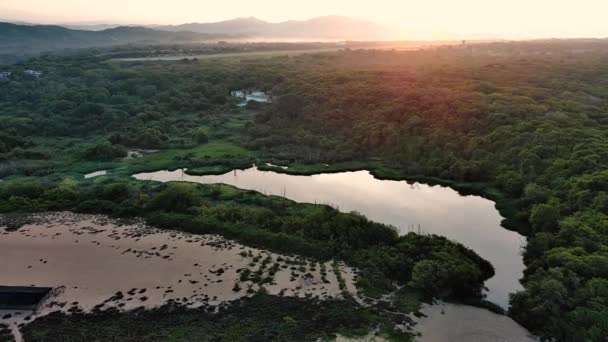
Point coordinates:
[[413, 18]]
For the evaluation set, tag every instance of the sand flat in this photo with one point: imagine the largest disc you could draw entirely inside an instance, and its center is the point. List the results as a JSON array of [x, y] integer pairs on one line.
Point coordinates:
[[95, 262]]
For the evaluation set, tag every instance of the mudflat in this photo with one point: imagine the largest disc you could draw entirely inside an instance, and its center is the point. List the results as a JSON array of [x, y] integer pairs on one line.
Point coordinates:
[[95, 263]]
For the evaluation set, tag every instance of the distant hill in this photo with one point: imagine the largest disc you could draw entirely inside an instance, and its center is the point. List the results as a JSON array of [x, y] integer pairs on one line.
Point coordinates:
[[24, 39], [330, 27], [92, 27]]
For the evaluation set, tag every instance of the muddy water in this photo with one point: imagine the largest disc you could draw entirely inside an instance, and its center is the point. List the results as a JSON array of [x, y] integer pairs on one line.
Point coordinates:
[[470, 220], [460, 323]]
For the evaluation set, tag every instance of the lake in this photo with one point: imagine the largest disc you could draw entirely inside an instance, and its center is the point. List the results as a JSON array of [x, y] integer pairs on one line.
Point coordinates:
[[470, 220]]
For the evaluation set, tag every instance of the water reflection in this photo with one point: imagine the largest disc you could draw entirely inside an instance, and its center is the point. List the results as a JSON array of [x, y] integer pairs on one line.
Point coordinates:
[[470, 220]]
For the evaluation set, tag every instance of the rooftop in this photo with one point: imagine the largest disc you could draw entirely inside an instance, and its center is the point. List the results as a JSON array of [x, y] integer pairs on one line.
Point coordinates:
[[22, 297]]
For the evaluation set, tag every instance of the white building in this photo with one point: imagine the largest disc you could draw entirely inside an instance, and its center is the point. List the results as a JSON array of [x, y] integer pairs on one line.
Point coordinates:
[[5, 75], [238, 93], [33, 73], [256, 96]]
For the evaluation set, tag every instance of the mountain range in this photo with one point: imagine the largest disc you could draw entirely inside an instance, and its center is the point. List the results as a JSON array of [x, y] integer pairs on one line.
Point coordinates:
[[329, 27], [24, 38]]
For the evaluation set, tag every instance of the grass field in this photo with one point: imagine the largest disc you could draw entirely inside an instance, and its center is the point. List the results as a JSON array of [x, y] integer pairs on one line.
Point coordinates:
[[177, 158]]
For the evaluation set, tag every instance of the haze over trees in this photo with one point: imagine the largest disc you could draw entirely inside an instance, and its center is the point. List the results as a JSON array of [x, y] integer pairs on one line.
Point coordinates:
[[28, 39], [327, 27]]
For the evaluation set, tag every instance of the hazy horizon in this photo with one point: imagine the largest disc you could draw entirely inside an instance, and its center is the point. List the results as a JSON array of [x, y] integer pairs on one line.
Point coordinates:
[[434, 19]]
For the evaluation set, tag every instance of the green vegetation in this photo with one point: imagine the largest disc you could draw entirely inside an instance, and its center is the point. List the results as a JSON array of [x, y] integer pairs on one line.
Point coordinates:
[[261, 318], [524, 124], [528, 119], [260, 276], [86, 110], [215, 157]]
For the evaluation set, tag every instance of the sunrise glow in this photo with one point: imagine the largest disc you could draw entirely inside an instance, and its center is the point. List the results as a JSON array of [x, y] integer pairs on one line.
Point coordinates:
[[433, 19]]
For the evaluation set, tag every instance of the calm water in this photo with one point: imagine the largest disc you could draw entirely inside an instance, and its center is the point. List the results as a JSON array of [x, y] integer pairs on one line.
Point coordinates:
[[470, 220]]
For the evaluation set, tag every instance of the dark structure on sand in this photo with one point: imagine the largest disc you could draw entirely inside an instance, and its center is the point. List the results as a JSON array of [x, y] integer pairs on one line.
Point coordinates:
[[22, 298]]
